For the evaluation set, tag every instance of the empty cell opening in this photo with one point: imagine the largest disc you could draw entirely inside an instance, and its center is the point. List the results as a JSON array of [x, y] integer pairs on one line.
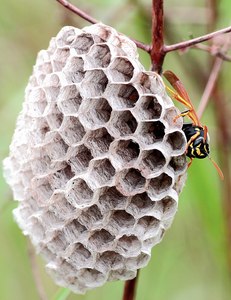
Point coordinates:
[[79, 255], [80, 160], [59, 179], [111, 199], [102, 171], [54, 118], [124, 123], [167, 204], [128, 95], [150, 83], [150, 108], [74, 70], [122, 219], [121, 70], [99, 56], [92, 217], [72, 130], [160, 184], [73, 231], [152, 132], [91, 276], [176, 140], [133, 181], [80, 194], [96, 112], [148, 224], [178, 163], [45, 67], [59, 58], [153, 160], [127, 150], [82, 43], [128, 244], [44, 192], [37, 102], [99, 141], [57, 244], [65, 37], [100, 239], [57, 149], [60, 207], [41, 165], [95, 83], [69, 99], [110, 260], [140, 204]]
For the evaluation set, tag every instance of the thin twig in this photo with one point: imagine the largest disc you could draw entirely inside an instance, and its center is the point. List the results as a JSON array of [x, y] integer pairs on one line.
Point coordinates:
[[209, 86], [217, 53], [200, 39], [130, 288], [157, 48]]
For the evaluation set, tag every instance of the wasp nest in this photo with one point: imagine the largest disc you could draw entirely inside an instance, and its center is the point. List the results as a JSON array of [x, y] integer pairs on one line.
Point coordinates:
[[96, 161]]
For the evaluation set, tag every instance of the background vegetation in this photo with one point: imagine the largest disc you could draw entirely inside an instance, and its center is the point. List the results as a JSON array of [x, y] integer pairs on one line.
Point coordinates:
[[191, 262]]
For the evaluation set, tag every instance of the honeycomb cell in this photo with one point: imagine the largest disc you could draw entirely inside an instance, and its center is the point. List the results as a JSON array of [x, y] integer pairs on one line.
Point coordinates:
[[121, 96], [176, 140], [178, 163], [95, 112], [74, 70], [131, 182], [51, 86], [159, 184], [91, 218], [79, 194], [58, 241], [111, 199], [151, 132], [94, 84], [121, 70], [148, 225], [37, 102], [101, 240], [98, 141], [59, 179], [60, 207], [125, 152], [102, 173], [72, 130], [79, 256], [167, 205], [150, 83], [152, 161], [69, 100], [120, 222], [82, 43], [128, 245], [65, 37], [140, 205], [99, 56], [59, 59], [54, 117], [122, 123], [150, 108], [80, 159], [109, 260], [74, 232], [57, 148]]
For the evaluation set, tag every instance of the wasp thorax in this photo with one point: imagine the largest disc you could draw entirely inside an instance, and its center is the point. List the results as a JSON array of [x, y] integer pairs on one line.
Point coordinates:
[[96, 160]]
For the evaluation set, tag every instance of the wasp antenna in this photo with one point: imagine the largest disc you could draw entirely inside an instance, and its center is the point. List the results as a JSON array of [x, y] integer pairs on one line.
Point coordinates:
[[217, 167]]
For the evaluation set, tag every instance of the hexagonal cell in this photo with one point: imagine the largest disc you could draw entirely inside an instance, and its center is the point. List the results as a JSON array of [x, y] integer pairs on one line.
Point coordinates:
[[178, 163], [56, 149], [140, 204], [100, 240], [152, 161], [121, 70], [72, 130], [151, 83], [60, 207], [151, 132], [98, 141], [54, 117], [59, 59], [74, 232], [102, 172], [94, 84], [109, 260], [65, 37], [79, 256], [122, 274], [74, 70], [57, 244], [91, 277], [99, 56], [43, 190], [36, 103], [131, 182], [59, 179], [147, 226], [121, 96], [42, 128], [170, 115], [128, 245], [176, 140], [167, 205], [91, 218], [120, 222], [150, 108], [79, 194], [80, 159], [122, 123], [82, 43], [125, 151], [137, 262], [95, 112], [159, 185], [45, 67], [51, 85], [111, 199], [69, 100]]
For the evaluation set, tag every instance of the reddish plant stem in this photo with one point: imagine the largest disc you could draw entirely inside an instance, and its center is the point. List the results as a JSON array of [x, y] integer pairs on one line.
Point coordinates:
[[130, 288], [157, 52], [217, 53]]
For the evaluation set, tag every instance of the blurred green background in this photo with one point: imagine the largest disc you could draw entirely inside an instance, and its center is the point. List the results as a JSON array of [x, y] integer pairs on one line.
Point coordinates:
[[191, 262]]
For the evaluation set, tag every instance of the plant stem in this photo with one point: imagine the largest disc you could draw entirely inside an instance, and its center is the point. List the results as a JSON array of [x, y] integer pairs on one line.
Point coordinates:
[[130, 288]]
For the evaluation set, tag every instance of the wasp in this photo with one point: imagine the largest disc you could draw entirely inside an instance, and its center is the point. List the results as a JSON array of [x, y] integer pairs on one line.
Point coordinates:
[[196, 133]]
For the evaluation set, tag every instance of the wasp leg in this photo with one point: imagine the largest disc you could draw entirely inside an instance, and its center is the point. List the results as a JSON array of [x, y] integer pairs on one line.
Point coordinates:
[[183, 114], [191, 160], [191, 140]]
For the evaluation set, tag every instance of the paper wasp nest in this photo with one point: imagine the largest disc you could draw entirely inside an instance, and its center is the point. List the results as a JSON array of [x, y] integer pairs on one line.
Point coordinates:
[[96, 161]]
